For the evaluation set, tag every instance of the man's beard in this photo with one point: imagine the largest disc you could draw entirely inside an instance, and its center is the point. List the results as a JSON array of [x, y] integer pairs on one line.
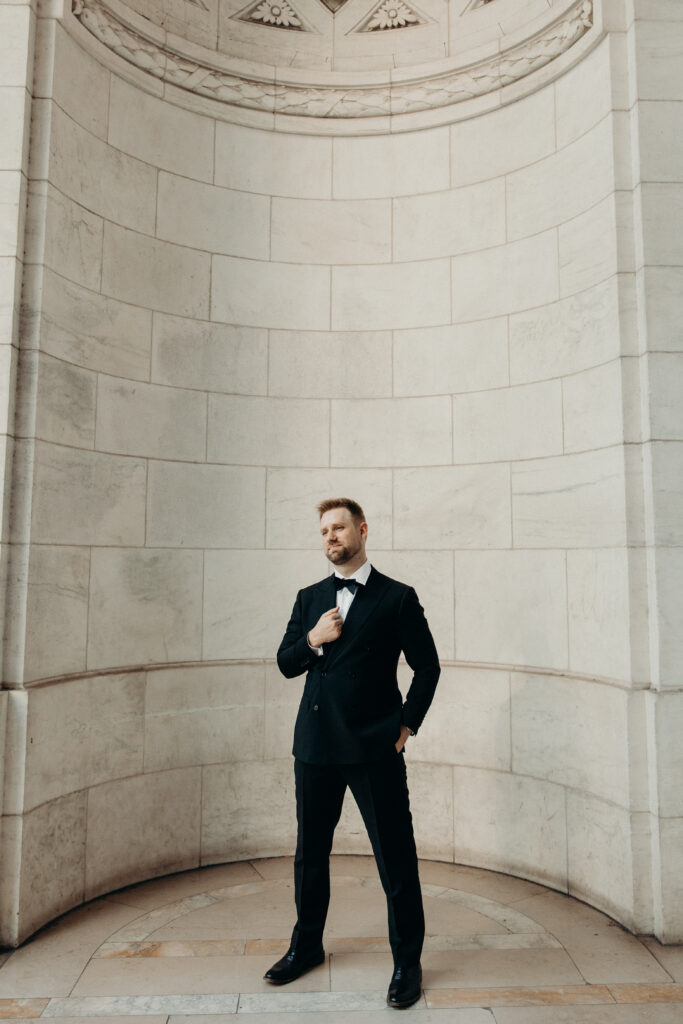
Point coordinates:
[[340, 555]]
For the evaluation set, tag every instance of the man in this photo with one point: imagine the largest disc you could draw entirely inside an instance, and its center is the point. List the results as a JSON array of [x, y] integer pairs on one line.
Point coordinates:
[[347, 632]]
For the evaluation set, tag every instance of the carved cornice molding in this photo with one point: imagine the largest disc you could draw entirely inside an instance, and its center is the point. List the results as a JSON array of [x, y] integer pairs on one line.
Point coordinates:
[[278, 94]]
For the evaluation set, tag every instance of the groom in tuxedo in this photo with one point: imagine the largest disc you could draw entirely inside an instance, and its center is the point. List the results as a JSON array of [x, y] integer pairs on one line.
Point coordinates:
[[347, 633]]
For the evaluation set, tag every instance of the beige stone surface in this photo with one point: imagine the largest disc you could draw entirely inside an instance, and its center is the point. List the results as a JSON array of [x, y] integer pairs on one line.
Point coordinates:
[[197, 354], [145, 606], [320, 364], [66, 402], [83, 497], [343, 231], [273, 163], [79, 83], [64, 235], [83, 732], [455, 358], [263, 431], [508, 423], [261, 294], [391, 165], [148, 419], [401, 432], [142, 826], [248, 810], [56, 612], [391, 296], [599, 613], [448, 223], [592, 408]]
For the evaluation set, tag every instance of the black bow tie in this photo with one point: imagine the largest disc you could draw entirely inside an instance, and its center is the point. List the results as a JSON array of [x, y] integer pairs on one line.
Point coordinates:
[[340, 582]]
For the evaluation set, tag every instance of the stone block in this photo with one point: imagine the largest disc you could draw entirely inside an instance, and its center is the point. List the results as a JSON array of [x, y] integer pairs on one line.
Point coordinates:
[[56, 613], [525, 272], [160, 133], [592, 408], [12, 205], [213, 219], [273, 163], [662, 287], [468, 723], [430, 573], [431, 805], [404, 164], [670, 846], [268, 431], [583, 95], [521, 422], [141, 827], [660, 137], [93, 331], [83, 732], [668, 723], [452, 507], [16, 33], [278, 295], [562, 185], [204, 715], [669, 583], [658, 49], [572, 732], [154, 274], [83, 497], [326, 364], [100, 177], [80, 84], [205, 506], [447, 223], [52, 861], [572, 501], [145, 606], [320, 231], [567, 336], [447, 360], [10, 291], [239, 622], [148, 419], [65, 403], [209, 357], [394, 432], [599, 856], [665, 371], [511, 824], [588, 248], [667, 477], [522, 620], [248, 811], [282, 703], [64, 236], [14, 131], [499, 142], [662, 209], [293, 494], [394, 295]]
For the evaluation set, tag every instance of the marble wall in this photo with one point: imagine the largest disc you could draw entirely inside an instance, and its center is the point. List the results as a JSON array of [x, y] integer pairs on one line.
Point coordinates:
[[470, 327]]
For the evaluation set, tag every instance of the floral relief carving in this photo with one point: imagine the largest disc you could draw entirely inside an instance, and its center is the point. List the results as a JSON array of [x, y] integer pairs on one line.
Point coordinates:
[[285, 96], [391, 14], [275, 12]]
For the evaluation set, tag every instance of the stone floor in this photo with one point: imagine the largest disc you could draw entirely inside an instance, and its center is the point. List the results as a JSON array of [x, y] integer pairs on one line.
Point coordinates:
[[192, 949]]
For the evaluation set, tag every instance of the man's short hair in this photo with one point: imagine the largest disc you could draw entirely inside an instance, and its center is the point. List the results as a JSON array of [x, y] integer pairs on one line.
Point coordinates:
[[357, 513]]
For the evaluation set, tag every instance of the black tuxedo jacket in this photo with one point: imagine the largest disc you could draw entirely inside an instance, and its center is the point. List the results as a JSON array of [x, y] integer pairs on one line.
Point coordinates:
[[351, 710]]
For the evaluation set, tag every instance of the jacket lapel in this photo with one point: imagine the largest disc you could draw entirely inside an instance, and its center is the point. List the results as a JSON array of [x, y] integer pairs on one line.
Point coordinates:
[[363, 605]]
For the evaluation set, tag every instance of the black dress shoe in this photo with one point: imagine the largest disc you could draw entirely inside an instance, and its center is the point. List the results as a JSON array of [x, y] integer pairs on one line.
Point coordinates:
[[405, 987], [293, 965]]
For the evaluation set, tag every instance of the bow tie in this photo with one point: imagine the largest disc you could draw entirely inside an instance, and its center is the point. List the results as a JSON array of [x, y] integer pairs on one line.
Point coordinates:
[[340, 582]]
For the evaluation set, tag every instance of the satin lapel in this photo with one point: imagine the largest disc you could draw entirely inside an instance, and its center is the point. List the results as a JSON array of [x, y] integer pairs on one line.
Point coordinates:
[[363, 605]]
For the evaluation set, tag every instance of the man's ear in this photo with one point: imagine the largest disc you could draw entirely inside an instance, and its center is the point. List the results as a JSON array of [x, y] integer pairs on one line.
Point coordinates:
[[363, 529]]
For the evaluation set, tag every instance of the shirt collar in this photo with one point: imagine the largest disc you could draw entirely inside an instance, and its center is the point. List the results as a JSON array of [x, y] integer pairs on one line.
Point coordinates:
[[361, 575]]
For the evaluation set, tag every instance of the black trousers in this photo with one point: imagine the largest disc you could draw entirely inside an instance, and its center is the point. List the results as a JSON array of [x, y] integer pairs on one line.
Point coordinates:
[[380, 789]]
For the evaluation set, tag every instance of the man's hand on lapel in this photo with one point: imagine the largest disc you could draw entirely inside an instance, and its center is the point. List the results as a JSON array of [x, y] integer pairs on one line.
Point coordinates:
[[403, 738], [327, 628]]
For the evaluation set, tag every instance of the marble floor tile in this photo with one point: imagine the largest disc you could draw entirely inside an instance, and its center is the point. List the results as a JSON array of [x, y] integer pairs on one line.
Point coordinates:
[[192, 976], [350, 972], [160, 891], [423, 1016], [570, 995], [670, 957], [648, 994], [199, 947], [22, 1008], [136, 1006], [613, 1014], [275, 867], [602, 950], [146, 924], [483, 968], [263, 913], [352, 864], [51, 963], [501, 888], [319, 1002]]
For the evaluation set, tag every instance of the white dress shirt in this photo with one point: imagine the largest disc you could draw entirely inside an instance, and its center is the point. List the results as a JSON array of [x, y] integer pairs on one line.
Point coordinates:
[[344, 595]]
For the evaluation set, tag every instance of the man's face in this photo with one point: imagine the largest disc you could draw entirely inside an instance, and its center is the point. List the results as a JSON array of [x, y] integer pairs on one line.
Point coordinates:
[[342, 537]]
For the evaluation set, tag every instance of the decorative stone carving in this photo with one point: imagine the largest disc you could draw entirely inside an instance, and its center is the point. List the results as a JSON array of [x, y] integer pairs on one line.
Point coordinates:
[[333, 5], [278, 13], [390, 14], [286, 96]]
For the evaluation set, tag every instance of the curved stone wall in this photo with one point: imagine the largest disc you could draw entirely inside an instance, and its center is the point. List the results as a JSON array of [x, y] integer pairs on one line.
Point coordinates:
[[228, 323]]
